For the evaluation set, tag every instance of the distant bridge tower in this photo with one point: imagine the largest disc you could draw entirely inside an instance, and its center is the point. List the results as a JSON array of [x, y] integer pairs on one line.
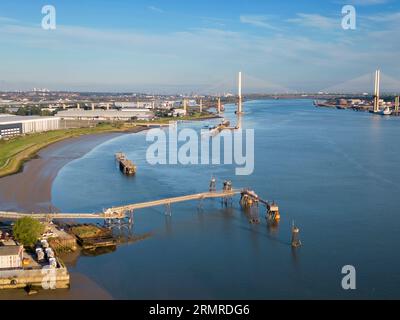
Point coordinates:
[[239, 109], [201, 105], [185, 105], [396, 104], [219, 105], [377, 90], [239, 121]]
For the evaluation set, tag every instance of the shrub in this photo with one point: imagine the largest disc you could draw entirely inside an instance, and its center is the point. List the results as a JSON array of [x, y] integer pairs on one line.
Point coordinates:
[[27, 230]]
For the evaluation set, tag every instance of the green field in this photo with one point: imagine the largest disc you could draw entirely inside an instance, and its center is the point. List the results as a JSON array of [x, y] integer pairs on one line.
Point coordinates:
[[14, 152]]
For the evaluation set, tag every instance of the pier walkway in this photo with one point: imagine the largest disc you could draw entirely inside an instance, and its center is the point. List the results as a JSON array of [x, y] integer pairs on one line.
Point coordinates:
[[169, 201], [121, 212], [18, 215]]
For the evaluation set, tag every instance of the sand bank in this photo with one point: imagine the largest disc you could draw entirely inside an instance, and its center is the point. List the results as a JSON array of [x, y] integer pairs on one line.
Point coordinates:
[[30, 190]]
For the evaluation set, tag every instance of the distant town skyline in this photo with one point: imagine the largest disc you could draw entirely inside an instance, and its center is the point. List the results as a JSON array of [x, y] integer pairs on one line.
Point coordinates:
[[186, 46]]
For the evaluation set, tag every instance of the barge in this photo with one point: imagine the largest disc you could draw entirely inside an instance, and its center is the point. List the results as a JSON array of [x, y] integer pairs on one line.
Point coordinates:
[[126, 166]]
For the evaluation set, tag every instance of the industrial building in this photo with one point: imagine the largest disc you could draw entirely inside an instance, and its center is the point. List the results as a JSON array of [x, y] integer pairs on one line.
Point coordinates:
[[16, 125], [110, 115], [138, 104], [11, 256]]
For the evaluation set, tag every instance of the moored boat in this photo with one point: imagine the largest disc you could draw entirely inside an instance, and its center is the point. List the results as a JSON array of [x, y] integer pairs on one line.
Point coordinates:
[[386, 112]]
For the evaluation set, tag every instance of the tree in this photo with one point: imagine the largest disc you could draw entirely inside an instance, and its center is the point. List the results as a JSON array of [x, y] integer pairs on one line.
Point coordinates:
[[27, 230]]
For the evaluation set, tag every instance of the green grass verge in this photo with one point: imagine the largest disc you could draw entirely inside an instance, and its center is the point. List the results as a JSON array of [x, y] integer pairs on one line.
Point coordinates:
[[14, 152]]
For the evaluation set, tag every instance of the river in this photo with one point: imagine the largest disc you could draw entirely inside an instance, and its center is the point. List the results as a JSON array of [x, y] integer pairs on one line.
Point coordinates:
[[334, 172]]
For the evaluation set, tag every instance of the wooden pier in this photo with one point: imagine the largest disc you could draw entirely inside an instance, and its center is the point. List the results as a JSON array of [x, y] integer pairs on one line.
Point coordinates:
[[119, 212], [168, 201], [8, 215], [248, 200], [126, 166]]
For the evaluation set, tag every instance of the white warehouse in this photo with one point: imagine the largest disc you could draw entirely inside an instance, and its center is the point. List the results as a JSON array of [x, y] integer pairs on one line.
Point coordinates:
[[113, 115], [16, 125]]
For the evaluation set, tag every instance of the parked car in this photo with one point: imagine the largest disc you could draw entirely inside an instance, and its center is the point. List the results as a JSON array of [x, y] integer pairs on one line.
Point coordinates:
[[44, 243], [49, 253], [53, 262], [39, 254]]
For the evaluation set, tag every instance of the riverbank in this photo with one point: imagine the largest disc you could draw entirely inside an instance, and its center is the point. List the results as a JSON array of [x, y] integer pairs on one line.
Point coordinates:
[[29, 164], [15, 152], [30, 189]]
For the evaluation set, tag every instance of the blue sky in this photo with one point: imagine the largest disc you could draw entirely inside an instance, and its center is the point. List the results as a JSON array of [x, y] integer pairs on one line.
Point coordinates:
[[183, 46]]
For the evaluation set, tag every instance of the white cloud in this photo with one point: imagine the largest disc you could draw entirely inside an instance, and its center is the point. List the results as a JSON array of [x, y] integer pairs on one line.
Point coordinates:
[[365, 2], [385, 17], [257, 21], [8, 20], [107, 58], [155, 9], [316, 21]]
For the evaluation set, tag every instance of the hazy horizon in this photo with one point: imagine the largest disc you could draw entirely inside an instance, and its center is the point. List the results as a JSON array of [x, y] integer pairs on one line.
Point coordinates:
[[181, 46]]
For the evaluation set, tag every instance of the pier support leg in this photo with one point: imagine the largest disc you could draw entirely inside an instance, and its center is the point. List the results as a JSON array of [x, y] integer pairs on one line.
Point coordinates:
[[131, 220], [295, 236], [200, 205], [226, 201], [168, 211]]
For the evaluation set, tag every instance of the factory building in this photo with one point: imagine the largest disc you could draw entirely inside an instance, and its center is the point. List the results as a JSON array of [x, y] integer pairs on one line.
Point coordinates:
[[138, 104], [11, 257], [16, 125], [110, 115]]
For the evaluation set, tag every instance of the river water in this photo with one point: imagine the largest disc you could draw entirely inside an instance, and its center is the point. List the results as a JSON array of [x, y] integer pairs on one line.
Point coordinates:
[[334, 172]]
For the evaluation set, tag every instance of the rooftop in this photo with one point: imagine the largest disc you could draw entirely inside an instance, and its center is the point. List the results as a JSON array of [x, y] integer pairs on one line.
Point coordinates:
[[10, 250], [13, 119], [123, 113]]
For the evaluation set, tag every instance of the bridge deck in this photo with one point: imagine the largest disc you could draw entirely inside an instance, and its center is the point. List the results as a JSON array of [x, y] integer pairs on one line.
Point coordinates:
[[167, 201], [17, 215], [119, 212]]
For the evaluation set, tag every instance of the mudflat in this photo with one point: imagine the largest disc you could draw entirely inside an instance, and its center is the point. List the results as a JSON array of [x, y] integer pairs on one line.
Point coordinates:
[[30, 189]]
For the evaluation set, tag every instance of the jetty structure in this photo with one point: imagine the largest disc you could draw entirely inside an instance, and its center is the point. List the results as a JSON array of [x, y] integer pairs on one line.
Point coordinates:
[[125, 212], [126, 166], [122, 216], [296, 242]]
